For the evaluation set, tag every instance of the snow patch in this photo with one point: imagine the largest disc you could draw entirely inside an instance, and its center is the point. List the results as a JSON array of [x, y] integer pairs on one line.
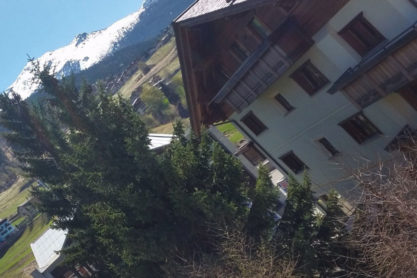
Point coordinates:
[[82, 53]]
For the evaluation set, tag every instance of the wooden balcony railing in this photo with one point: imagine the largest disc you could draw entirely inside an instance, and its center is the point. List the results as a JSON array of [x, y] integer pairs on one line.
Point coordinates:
[[263, 67], [387, 69]]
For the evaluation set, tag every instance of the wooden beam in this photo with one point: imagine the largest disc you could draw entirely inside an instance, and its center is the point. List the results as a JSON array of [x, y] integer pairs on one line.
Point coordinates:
[[400, 67]]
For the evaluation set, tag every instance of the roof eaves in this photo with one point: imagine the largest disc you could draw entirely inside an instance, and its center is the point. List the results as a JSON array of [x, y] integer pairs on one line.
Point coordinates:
[[231, 9]]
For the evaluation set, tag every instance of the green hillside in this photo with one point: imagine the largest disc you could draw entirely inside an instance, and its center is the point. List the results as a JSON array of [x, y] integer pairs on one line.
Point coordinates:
[[158, 85]]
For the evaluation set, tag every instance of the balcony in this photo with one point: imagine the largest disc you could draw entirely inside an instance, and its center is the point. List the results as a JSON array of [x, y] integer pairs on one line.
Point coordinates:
[[264, 66], [404, 139], [385, 70], [251, 158]]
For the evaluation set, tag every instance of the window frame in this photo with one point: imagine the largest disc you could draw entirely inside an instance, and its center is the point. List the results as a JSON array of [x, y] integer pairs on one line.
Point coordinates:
[[261, 127], [328, 147], [296, 170], [309, 78], [284, 103], [358, 40], [366, 133]]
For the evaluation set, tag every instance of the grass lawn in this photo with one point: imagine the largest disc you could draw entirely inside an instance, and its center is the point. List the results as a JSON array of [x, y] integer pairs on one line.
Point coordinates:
[[18, 221], [161, 53], [13, 197], [169, 128], [170, 69], [132, 84], [127, 89], [19, 256], [231, 132]]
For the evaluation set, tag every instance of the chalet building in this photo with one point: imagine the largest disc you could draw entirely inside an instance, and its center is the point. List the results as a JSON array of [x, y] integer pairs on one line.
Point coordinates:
[[325, 86]]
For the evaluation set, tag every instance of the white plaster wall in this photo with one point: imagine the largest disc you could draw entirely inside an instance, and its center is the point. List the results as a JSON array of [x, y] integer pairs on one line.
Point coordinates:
[[319, 115]]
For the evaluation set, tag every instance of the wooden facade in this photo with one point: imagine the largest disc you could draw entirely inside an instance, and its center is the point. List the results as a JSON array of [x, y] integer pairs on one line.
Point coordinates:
[[390, 69], [231, 56]]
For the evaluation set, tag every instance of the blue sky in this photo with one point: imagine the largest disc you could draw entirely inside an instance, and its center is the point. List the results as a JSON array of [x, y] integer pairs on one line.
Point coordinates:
[[36, 26]]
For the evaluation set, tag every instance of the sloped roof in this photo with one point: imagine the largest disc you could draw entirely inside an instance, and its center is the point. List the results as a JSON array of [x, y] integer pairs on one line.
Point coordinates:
[[209, 10], [201, 7], [47, 247], [159, 140]]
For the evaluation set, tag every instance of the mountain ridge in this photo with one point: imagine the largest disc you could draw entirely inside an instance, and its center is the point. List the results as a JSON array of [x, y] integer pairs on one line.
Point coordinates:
[[118, 41]]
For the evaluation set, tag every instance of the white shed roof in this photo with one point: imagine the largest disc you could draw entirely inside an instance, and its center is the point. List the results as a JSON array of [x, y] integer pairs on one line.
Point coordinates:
[[46, 248], [159, 140]]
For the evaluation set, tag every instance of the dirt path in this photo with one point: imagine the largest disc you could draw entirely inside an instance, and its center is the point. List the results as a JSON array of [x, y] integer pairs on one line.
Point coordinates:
[[158, 67]]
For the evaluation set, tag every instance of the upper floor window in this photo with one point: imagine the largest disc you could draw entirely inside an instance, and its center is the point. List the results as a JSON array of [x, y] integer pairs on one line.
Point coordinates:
[[309, 78], [330, 149], [284, 103], [361, 35], [293, 162], [259, 28], [360, 128], [253, 123]]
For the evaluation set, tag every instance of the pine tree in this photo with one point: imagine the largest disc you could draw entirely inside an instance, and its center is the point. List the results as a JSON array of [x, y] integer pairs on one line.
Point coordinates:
[[297, 228], [127, 211], [262, 218]]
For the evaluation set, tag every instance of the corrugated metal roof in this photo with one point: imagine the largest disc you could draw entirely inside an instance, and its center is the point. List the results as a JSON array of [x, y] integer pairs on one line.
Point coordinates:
[[46, 248], [159, 140], [202, 7]]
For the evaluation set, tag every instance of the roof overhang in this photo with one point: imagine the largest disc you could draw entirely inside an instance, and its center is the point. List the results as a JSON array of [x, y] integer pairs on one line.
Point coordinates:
[[374, 58]]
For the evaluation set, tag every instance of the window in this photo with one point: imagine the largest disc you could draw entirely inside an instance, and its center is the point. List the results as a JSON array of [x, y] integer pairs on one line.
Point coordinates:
[[284, 103], [309, 78], [293, 162], [259, 28], [360, 128], [253, 123], [328, 146], [361, 35]]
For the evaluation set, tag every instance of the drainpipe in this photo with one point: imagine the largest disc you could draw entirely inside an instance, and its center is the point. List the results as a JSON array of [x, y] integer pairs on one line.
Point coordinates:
[[259, 146]]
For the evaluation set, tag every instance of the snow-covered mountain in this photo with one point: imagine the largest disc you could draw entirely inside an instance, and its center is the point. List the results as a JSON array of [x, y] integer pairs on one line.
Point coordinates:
[[88, 50]]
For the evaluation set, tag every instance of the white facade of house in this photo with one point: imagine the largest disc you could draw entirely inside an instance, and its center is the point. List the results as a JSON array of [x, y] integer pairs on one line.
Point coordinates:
[[319, 115]]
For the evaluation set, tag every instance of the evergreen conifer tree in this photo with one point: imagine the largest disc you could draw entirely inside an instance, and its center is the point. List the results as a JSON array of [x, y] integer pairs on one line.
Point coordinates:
[[262, 218], [297, 229], [128, 212]]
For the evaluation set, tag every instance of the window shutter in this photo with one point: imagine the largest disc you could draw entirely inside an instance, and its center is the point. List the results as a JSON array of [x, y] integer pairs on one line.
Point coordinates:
[[309, 78], [361, 35], [360, 128], [253, 123]]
